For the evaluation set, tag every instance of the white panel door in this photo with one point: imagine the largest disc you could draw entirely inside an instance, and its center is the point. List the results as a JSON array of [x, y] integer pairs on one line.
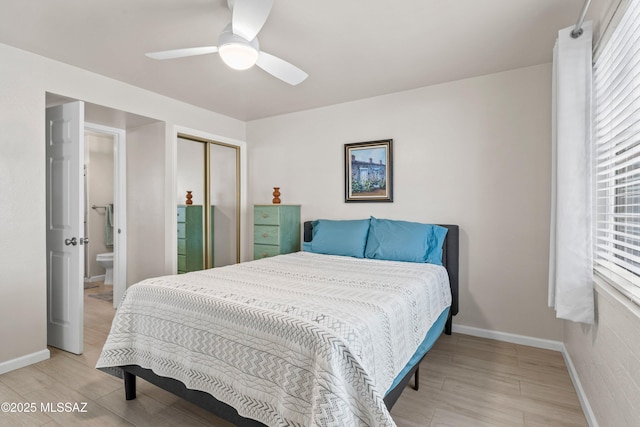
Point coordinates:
[[65, 219]]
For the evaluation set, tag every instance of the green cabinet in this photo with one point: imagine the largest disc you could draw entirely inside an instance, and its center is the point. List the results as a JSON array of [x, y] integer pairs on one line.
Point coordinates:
[[276, 230], [190, 238]]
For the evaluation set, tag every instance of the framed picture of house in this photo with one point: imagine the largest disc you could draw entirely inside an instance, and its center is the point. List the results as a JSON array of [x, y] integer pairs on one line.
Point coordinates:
[[368, 171]]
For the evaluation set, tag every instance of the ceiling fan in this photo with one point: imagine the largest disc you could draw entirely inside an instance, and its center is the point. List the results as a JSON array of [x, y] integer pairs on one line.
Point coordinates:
[[238, 45]]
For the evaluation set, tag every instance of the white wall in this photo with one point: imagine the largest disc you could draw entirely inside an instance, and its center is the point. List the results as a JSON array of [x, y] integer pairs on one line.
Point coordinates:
[[145, 203], [24, 80], [474, 152]]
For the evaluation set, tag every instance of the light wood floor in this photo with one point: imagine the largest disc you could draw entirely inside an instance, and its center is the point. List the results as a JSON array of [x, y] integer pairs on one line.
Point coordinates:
[[465, 381]]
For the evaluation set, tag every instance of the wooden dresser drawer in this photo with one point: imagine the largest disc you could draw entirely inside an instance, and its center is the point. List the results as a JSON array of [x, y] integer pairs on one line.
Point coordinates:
[[264, 251], [182, 246], [182, 263], [182, 230], [266, 234], [266, 215], [182, 213]]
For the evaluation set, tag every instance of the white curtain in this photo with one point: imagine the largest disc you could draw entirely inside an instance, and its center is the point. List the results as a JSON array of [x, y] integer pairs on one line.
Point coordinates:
[[570, 260]]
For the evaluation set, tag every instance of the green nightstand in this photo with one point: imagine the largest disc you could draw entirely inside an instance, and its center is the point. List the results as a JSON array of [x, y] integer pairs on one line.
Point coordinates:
[[276, 230]]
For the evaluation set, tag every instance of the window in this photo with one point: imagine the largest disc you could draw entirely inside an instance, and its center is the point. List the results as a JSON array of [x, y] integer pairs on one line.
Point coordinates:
[[616, 136]]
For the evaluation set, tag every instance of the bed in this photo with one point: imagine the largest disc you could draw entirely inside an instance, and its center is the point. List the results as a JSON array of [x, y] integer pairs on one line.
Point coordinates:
[[239, 342]]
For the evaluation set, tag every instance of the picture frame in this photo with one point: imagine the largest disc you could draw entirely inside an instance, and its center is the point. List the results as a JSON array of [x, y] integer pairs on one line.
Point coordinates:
[[368, 171]]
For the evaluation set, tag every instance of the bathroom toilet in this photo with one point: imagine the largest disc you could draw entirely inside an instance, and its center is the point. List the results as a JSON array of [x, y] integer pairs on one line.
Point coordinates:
[[106, 261]]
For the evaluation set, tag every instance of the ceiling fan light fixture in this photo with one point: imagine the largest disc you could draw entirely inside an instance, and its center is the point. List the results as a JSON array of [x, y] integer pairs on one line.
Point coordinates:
[[239, 56]]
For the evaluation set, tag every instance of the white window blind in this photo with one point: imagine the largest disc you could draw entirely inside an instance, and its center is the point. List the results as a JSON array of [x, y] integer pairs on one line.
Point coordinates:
[[616, 100]]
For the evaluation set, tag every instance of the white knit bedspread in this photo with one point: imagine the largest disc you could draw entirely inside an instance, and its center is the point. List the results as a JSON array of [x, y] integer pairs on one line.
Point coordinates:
[[293, 340]]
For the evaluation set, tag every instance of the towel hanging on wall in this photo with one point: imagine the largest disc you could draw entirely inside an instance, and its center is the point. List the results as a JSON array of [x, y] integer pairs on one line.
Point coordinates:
[[108, 226]]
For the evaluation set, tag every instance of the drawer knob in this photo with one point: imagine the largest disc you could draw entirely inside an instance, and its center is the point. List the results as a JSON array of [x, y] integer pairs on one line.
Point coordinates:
[[265, 215], [264, 255], [265, 235]]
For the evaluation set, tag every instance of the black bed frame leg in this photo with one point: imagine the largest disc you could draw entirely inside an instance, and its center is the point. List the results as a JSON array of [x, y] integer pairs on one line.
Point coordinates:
[[416, 381], [129, 386], [448, 326]]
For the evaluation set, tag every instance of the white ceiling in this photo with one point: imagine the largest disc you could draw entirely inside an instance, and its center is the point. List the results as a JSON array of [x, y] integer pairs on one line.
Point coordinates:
[[352, 49]]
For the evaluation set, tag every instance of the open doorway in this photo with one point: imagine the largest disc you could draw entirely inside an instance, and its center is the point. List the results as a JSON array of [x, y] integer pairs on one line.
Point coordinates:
[[108, 210], [105, 212]]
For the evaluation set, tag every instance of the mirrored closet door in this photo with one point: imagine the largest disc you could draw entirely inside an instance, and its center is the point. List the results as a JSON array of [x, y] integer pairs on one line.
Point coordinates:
[[208, 204]]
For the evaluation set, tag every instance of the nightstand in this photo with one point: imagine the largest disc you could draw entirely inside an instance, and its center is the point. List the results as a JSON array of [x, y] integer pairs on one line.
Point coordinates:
[[276, 230]]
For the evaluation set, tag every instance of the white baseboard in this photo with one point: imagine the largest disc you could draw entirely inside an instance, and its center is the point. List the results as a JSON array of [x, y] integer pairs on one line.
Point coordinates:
[[21, 362], [507, 337], [582, 396], [96, 279], [539, 343]]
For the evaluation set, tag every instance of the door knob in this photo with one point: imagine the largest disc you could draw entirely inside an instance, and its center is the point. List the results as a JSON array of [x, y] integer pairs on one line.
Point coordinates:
[[84, 240], [73, 241]]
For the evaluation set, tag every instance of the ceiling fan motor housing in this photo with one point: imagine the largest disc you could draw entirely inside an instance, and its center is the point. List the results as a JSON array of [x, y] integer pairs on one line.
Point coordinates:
[[237, 52]]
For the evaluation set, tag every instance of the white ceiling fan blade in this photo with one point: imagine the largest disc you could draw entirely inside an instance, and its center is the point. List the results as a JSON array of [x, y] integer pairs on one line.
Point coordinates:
[[249, 16], [181, 53], [281, 69]]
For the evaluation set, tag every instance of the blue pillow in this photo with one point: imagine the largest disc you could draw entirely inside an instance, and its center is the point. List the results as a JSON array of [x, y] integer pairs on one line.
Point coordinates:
[[405, 241], [347, 238]]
